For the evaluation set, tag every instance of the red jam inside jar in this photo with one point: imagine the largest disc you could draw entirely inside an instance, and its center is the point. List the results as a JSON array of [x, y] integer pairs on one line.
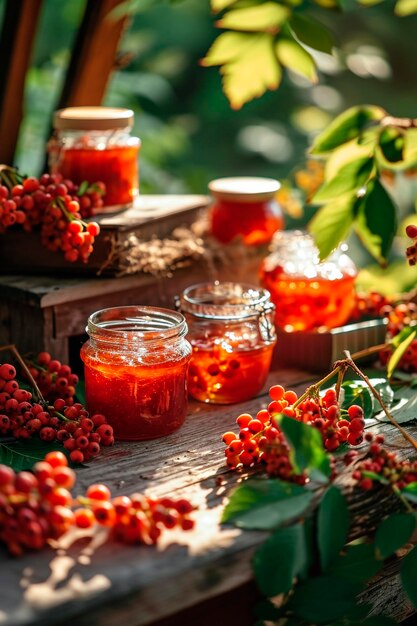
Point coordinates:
[[94, 144], [135, 365], [308, 294], [232, 335], [245, 207]]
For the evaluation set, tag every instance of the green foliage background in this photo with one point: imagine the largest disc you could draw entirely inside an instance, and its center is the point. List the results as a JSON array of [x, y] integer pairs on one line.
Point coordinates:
[[190, 135]]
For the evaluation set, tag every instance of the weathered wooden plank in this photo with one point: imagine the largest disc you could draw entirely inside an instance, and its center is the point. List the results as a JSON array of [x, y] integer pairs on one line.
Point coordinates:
[[16, 42]]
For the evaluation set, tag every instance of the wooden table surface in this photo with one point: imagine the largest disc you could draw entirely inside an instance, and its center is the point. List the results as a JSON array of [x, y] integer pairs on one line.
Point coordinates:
[[93, 583]]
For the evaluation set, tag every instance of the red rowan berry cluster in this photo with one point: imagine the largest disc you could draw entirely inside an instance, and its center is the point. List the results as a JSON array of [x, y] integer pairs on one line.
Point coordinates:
[[54, 379], [369, 304], [411, 251], [54, 205], [37, 507], [260, 438], [386, 464], [70, 424], [398, 317]]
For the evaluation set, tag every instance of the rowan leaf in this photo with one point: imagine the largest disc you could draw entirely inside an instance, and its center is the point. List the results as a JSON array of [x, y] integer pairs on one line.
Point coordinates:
[[350, 177], [345, 127], [252, 72], [331, 224], [265, 17], [227, 47], [219, 5], [294, 57], [405, 7], [311, 33]]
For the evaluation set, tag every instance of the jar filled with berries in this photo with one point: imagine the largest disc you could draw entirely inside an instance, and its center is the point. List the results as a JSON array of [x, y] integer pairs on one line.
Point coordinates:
[[308, 294], [95, 144], [245, 208], [135, 364], [232, 335]]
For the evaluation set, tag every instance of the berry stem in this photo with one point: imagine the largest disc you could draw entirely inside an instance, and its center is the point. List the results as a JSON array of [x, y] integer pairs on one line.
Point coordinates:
[[313, 389], [12, 348], [349, 361]]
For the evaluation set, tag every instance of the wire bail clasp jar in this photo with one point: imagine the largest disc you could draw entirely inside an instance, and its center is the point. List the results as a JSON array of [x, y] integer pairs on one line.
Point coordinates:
[[135, 363], [232, 334]]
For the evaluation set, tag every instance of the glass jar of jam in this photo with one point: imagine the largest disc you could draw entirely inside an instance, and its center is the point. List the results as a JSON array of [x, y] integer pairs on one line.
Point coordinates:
[[308, 294], [95, 144], [245, 207], [135, 363], [232, 335]]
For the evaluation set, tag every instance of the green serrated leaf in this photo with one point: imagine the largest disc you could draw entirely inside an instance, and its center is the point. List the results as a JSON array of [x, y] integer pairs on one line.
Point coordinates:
[[279, 560], [358, 564], [350, 178], [405, 7], [311, 33], [306, 448], [408, 575], [227, 47], [265, 505], [332, 223], [24, 453], [391, 144], [219, 5], [407, 336], [358, 392], [347, 126], [265, 17], [405, 410], [333, 526], [393, 532], [323, 599], [376, 234], [294, 57]]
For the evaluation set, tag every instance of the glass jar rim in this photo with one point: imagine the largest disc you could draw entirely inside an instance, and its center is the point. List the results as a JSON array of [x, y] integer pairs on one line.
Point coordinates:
[[244, 188], [236, 301], [136, 323]]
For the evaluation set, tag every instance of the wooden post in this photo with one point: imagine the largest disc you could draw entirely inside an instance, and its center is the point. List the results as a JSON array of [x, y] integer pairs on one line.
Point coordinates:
[[16, 41]]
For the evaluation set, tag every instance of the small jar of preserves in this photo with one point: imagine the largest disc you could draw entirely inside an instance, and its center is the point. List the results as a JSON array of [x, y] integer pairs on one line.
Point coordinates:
[[135, 364], [308, 294], [232, 335], [245, 207], [95, 144]]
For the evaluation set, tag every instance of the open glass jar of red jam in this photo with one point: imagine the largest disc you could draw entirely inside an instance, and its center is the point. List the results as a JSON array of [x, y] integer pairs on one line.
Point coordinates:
[[245, 207], [308, 294], [135, 365], [95, 144], [232, 335]]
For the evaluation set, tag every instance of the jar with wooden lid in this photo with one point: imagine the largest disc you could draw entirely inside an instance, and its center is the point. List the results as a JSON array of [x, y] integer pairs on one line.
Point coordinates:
[[95, 144], [245, 207]]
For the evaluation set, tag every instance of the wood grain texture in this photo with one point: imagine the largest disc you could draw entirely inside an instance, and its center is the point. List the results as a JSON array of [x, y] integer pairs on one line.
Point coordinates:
[[108, 584]]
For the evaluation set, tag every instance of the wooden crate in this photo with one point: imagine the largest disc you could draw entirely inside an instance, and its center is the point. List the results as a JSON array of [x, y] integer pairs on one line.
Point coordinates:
[[151, 216]]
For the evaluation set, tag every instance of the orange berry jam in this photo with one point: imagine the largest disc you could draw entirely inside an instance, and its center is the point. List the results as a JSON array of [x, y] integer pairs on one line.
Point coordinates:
[[232, 336], [308, 294], [245, 208], [135, 364]]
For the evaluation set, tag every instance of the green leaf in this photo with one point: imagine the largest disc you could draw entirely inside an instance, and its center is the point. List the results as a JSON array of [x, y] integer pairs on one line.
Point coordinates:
[[410, 492], [80, 392], [393, 532], [357, 392], [391, 143], [405, 410], [306, 448], [82, 188], [408, 575], [375, 233], [331, 224], [24, 453], [311, 33], [325, 598], [265, 610], [227, 47], [279, 560], [346, 126], [293, 56], [333, 526], [265, 17], [254, 70], [406, 7], [264, 505], [219, 5], [351, 177], [358, 564], [400, 347]]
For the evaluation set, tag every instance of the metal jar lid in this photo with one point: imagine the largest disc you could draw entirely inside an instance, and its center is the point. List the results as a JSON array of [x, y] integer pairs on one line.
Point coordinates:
[[93, 118]]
